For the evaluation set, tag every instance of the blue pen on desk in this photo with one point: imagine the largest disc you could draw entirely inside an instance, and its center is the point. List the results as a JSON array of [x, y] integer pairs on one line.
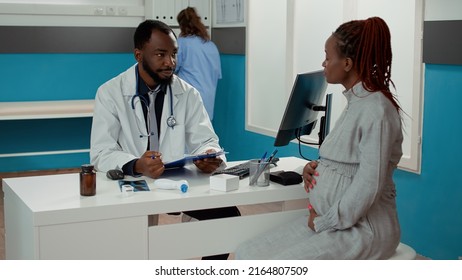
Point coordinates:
[[272, 156], [262, 167], [263, 157]]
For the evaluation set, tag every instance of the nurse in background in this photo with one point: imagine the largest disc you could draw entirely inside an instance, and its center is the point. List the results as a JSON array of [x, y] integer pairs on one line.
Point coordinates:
[[198, 59]]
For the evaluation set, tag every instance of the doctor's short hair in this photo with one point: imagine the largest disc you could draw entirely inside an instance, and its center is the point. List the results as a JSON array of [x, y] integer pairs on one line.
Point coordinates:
[[144, 30]]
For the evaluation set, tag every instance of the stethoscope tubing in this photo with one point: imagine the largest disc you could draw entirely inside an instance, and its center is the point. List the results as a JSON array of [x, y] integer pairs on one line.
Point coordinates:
[[171, 121]]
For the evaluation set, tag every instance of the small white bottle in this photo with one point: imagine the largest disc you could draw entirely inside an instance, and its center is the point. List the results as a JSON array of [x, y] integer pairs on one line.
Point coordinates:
[[167, 184]]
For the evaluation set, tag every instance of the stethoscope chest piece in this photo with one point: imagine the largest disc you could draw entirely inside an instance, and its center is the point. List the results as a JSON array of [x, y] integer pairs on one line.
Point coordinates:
[[171, 122]]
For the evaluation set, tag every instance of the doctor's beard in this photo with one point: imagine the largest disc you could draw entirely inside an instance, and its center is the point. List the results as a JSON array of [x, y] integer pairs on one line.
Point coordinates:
[[156, 76]]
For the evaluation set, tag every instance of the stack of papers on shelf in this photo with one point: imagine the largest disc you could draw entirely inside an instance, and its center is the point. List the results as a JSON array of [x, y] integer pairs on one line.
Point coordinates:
[[187, 159]]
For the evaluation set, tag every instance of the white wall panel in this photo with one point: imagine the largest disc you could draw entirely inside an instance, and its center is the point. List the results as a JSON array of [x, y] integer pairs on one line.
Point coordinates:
[[287, 38]]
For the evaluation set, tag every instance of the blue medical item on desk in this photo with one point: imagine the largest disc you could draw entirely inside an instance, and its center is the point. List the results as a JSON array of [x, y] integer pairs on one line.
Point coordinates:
[[168, 184], [191, 158]]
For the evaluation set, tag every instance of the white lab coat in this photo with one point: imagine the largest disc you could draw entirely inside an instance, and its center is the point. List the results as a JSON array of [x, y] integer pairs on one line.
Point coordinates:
[[115, 133]]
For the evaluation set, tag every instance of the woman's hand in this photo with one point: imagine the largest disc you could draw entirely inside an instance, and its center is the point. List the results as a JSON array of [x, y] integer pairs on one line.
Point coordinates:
[[313, 215], [309, 171]]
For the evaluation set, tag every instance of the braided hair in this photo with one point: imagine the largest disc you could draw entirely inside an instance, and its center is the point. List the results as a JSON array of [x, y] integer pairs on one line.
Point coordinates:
[[367, 43]]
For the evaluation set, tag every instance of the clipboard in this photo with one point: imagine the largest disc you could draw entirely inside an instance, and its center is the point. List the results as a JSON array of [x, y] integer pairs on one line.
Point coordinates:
[[191, 158]]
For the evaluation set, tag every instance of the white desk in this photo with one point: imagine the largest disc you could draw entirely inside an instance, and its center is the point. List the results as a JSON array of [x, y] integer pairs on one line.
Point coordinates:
[[46, 218]]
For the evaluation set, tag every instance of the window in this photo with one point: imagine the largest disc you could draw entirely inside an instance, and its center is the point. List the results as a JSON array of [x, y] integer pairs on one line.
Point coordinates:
[[287, 37]]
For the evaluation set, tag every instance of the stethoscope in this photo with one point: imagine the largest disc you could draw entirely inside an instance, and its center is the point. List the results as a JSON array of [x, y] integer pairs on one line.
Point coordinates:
[[171, 121]]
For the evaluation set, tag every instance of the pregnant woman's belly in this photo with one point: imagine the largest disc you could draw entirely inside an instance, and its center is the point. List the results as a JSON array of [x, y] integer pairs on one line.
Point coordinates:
[[333, 180]]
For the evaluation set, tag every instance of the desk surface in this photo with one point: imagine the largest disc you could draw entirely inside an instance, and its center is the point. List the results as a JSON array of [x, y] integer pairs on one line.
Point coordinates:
[[55, 199]]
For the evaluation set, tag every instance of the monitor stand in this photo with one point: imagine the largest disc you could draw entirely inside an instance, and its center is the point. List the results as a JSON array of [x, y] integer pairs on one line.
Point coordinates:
[[325, 120]]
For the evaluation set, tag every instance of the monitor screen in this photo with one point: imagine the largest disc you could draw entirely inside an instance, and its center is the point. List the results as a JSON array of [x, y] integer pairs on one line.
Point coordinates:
[[301, 111]]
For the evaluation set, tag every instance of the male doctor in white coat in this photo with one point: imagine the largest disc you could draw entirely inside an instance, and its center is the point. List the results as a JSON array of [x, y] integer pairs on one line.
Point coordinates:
[[147, 116]]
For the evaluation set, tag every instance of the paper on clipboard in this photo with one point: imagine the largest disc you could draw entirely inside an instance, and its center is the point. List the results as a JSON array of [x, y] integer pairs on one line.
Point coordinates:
[[191, 158]]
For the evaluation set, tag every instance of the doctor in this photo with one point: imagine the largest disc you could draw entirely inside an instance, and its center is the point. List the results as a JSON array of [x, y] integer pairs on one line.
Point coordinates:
[[147, 116]]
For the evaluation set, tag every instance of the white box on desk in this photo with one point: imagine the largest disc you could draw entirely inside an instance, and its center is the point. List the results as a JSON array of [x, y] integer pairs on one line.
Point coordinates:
[[224, 182]]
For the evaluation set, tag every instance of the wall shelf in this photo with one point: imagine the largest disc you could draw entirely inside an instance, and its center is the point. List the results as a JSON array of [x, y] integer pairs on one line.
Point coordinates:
[[45, 153], [46, 109]]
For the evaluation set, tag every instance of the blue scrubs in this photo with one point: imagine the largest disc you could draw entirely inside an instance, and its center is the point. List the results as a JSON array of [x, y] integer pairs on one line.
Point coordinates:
[[198, 63]]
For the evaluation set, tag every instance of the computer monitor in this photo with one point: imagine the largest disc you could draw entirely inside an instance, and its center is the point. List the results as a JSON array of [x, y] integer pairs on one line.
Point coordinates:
[[302, 109]]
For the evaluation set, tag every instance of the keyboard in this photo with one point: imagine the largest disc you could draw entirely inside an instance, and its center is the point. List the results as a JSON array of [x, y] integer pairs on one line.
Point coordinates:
[[242, 170]]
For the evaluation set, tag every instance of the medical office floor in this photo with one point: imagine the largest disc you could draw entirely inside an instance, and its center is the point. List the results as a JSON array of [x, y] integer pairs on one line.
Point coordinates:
[[163, 219]]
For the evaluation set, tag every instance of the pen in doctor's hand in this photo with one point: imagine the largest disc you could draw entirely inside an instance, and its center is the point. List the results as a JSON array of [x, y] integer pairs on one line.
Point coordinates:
[[155, 155], [149, 164]]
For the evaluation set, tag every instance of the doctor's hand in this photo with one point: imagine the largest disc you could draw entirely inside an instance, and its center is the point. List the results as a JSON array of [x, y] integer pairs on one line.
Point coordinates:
[[208, 165], [150, 164], [309, 171]]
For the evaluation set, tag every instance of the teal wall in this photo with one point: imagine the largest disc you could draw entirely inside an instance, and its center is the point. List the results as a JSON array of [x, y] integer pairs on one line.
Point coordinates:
[[429, 203], [42, 77], [32, 77]]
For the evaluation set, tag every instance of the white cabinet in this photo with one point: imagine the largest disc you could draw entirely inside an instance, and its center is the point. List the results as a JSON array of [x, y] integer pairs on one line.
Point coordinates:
[[124, 238], [167, 10]]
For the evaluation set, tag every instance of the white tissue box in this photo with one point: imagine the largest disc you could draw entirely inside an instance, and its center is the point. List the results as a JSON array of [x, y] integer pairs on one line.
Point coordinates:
[[224, 182]]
